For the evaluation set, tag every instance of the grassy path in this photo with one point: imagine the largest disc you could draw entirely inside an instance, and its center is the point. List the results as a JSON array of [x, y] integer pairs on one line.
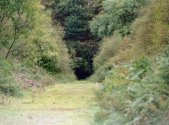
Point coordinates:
[[62, 104]]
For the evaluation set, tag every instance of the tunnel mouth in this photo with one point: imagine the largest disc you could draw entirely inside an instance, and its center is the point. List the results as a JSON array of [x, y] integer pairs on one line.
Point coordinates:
[[82, 74], [82, 54]]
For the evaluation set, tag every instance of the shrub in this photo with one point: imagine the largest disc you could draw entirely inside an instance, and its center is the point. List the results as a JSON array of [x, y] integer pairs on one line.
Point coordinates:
[[43, 46], [5, 71], [164, 65], [108, 49], [135, 92], [132, 102], [150, 31], [49, 63], [10, 90], [114, 50], [141, 67], [7, 84]]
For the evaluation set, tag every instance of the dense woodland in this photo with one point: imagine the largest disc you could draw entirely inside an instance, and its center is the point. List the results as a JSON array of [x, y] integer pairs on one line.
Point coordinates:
[[122, 45]]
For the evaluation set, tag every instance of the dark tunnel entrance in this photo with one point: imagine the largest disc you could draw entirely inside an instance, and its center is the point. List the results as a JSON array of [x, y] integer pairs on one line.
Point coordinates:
[[83, 72], [82, 56]]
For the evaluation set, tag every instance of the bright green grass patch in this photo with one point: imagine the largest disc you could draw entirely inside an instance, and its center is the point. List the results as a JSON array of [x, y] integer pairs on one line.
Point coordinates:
[[74, 103], [63, 96]]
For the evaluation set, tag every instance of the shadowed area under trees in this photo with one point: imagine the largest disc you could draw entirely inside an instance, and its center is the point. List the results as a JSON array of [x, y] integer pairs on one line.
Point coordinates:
[[74, 16]]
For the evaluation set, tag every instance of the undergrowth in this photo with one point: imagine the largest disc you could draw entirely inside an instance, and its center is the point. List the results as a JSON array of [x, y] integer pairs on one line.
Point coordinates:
[[8, 86], [133, 94], [134, 75]]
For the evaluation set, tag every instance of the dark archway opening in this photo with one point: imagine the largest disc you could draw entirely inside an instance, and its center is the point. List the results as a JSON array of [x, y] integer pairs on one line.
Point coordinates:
[[84, 70], [82, 57], [82, 74]]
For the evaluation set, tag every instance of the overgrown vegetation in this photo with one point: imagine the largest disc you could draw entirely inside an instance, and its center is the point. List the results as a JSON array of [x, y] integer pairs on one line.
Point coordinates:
[[116, 16], [74, 17], [29, 39], [43, 41], [7, 85], [133, 71]]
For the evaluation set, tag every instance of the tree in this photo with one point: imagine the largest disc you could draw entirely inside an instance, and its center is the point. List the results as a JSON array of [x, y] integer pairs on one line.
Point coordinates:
[[27, 34], [116, 16], [16, 19], [74, 17]]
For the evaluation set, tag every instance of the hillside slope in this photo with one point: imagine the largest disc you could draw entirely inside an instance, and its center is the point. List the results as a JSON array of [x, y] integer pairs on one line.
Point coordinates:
[[32, 51], [134, 70]]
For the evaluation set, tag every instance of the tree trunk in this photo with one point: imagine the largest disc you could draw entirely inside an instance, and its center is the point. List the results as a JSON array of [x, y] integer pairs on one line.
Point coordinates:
[[9, 50]]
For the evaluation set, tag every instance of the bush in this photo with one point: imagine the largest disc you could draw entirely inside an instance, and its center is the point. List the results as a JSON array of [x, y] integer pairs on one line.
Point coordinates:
[[141, 67], [150, 31], [10, 90], [164, 65], [114, 50], [7, 84], [131, 101], [5, 72], [43, 46], [38, 46], [49, 63], [108, 49], [135, 91]]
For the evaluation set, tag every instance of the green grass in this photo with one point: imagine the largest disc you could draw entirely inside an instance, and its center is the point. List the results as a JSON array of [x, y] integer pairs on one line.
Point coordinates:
[[73, 102]]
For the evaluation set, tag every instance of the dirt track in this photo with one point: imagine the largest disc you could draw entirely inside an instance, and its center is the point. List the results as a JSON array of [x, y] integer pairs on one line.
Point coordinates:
[[63, 104]]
